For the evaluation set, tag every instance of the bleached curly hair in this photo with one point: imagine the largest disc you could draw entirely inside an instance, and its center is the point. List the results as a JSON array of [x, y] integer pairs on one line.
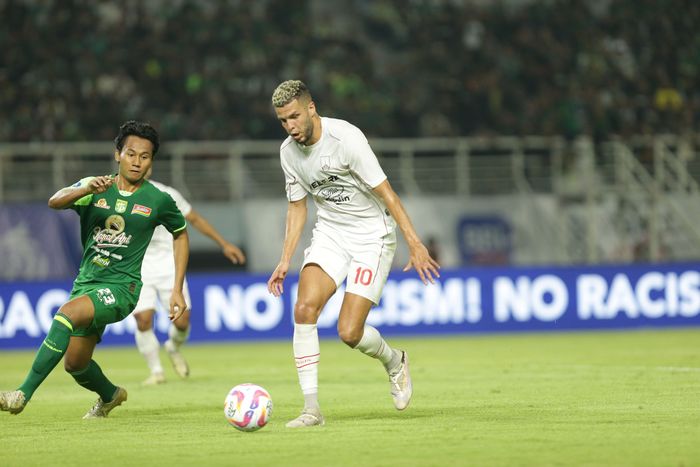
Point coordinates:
[[289, 90]]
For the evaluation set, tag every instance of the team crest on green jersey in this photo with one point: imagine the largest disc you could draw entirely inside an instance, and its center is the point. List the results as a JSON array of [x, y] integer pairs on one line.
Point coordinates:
[[120, 207]]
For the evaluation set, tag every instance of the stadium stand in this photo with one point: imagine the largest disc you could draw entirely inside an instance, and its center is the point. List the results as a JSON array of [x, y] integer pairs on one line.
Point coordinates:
[[204, 69]]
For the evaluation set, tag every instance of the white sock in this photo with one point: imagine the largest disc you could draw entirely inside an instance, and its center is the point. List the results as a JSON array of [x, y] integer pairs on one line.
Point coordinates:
[[307, 352], [148, 345], [375, 346], [177, 337]]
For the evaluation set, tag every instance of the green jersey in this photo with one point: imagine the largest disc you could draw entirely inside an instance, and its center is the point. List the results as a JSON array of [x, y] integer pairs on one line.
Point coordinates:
[[116, 228]]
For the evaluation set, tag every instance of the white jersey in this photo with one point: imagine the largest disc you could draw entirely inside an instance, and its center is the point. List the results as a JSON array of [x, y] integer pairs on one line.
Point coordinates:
[[159, 261], [339, 171]]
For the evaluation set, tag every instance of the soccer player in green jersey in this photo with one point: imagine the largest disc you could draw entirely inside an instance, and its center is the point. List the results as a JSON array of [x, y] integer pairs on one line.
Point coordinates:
[[118, 214]]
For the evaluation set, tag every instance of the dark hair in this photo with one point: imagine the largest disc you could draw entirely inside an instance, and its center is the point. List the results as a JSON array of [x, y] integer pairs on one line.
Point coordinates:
[[141, 129]]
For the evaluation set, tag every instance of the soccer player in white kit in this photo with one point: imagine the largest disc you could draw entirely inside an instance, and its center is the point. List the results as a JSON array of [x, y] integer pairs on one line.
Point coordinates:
[[157, 275], [354, 238]]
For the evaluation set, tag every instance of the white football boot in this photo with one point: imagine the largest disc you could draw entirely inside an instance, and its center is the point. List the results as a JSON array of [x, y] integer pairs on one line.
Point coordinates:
[[154, 379], [401, 386], [307, 418], [178, 361]]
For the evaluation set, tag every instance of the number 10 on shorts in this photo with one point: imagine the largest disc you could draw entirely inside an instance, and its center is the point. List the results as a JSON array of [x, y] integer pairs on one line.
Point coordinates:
[[363, 276]]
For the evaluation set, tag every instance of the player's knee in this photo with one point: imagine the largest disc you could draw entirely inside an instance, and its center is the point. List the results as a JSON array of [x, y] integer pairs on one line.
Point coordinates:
[[77, 313], [70, 310], [350, 335], [144, 320], [143, 326], [72, 365], [306, 312]]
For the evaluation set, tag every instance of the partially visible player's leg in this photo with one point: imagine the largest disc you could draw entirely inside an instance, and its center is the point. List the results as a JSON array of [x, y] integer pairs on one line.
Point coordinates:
[[147, 344], [367, 339], [315, 288], [363, 337], [364, 289], [76, 312], [146, 340], [178, 333]]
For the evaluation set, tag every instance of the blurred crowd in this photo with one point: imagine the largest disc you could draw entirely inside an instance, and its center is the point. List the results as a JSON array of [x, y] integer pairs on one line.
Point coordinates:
[[205, 69]]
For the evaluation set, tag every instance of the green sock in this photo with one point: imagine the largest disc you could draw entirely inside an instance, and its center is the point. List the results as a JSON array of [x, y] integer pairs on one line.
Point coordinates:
[[92, 378], [49, 354]]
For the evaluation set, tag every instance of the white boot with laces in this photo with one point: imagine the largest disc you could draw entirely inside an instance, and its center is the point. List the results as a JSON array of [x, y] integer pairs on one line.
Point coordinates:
[[401, 386]]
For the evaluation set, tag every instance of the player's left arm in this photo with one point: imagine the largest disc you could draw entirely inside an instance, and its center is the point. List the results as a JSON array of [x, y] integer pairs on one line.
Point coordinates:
[[181, 252], [420, 259], [231, 251]]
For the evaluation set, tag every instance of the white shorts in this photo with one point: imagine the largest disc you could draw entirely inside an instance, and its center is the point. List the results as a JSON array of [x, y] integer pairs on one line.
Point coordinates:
[[159, 291], [365, 263]]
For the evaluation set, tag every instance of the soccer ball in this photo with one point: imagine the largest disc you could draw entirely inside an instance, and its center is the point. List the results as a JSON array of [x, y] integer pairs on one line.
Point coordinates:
[[248, 407]]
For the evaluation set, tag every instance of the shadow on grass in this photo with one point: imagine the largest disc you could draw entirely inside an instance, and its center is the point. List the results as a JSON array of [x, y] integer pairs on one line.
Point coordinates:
[[408, 414]]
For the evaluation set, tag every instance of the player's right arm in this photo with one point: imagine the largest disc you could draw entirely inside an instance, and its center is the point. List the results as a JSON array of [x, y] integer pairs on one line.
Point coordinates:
[[65, 197], [296, 218]]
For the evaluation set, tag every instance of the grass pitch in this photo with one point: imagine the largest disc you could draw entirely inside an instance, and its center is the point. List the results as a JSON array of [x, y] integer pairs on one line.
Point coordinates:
[[595, 398]]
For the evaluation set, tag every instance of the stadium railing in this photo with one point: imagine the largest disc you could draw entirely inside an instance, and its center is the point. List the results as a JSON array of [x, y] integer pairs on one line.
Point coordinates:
[[235, 170], [639, 195]]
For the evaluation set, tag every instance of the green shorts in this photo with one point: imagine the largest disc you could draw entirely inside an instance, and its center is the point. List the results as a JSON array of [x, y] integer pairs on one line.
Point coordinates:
[[113, 303]]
